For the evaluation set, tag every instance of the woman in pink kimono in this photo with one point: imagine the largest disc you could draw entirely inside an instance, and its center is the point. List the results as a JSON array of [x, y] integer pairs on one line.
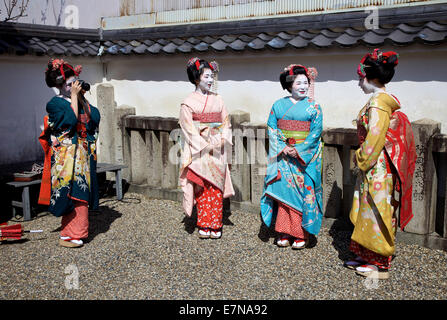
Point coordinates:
[[206, 142]]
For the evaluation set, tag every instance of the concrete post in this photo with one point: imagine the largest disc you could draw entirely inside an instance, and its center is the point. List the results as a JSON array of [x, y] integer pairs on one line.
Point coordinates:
[[424, 179], [122, 142], [170, 172], [138, 156], [258, 161], [240, 169], [155, 168], [106, 105]]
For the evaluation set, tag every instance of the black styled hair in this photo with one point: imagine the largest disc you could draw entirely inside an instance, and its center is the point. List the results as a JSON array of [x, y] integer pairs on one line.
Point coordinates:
[[381, 69], [195, 68], [286, 78], [54, 77]]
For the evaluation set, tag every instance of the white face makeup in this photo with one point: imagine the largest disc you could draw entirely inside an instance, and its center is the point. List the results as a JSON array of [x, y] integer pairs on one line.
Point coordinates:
[[206, 81], [300, 87], [65, 89], [367, 86]]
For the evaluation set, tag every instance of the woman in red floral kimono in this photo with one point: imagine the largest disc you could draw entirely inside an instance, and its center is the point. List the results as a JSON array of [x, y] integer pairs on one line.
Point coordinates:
[[386, 159], [206, 136]]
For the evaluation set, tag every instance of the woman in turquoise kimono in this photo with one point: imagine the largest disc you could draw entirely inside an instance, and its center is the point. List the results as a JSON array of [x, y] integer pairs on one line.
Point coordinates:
[[292, 186], [69, 184]]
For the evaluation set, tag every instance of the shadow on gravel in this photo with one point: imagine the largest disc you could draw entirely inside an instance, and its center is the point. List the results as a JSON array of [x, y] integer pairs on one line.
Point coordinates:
[[100, 221], [266, 234], [340, 232]]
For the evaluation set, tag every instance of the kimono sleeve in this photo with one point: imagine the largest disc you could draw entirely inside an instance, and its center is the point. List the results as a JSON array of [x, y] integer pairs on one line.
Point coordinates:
[[307, 149], [60, 115], [276, 139], [369, 151], [190, 133], [226, 124]]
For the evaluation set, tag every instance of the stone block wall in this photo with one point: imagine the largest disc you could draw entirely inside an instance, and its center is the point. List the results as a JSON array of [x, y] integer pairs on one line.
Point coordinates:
[[149, 146]]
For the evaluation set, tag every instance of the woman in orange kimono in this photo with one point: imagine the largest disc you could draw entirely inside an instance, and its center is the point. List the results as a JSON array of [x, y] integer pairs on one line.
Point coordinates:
[[386, 159], [206, 143]]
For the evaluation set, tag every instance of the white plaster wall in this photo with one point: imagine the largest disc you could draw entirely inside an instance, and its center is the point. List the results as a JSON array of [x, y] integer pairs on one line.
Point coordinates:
[[24, 95], [157, 85]]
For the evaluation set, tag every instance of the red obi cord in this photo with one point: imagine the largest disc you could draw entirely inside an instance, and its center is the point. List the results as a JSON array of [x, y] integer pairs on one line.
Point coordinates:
[[207, 117], [293, 125]]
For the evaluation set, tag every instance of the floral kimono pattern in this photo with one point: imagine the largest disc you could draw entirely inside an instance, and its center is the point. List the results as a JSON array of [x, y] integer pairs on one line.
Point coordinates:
[[382, 177], [294, 182], [73, 156]]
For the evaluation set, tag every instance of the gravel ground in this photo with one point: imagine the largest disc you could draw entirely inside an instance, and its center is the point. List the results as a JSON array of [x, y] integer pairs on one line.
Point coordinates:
[[144, 248]]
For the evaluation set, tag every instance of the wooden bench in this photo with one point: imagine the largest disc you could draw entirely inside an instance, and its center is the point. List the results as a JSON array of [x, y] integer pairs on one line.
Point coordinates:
[[116, 168], [25, 185]]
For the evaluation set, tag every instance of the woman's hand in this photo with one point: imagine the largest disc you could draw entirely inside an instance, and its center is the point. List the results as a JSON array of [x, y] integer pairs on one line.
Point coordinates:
[[290, 151], [75, 89]]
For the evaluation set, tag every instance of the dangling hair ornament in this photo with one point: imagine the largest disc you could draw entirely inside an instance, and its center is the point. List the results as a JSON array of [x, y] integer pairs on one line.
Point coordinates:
[[77, 69], [379, 56], [214, 66], [194, 61], [312, 73]]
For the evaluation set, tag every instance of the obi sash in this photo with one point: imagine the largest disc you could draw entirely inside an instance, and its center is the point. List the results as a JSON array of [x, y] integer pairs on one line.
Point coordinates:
[[208, 117], [296, 130]]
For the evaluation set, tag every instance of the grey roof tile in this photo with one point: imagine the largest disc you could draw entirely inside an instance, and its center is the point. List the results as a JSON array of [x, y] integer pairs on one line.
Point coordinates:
[[265, 37], [257, 44], [347, 40], [228, 38], [285, 36], [354, 33], [185, 47], [238, 45], [193, 40], [429, 35], [178, 41], [134, 43], [208, 40], [401, 37], [419, 24], [170, 48], [408, 28], [219, 45], [148, 42], [436, 26], [306, 35], [141, 49], [372, 38], [277, 43], [155, 48], [299, 42], [322, 41], [245, 38], [202, 46], [162, 41]]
